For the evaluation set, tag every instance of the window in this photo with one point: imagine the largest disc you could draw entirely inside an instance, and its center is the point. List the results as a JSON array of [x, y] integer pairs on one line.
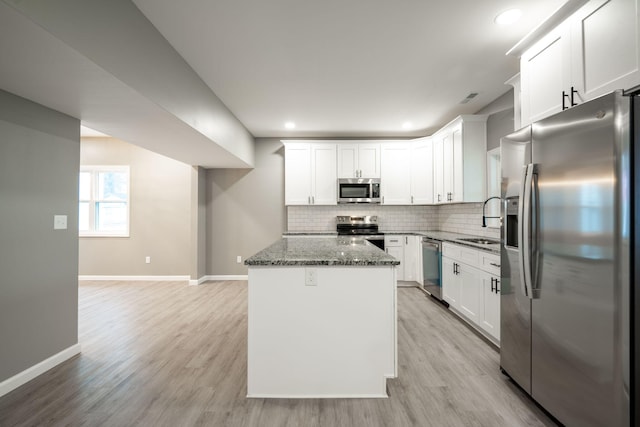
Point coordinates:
[[104, 201]]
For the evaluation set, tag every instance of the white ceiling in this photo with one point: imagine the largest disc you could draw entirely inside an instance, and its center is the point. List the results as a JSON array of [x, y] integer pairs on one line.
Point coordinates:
[[347, 67]]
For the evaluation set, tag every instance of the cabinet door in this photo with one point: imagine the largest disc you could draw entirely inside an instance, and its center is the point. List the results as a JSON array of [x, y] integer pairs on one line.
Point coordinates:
[[470, 292], [605, 47], [398, 253], [450, 283], [438, 169], [396, 174], [457, 175], [545, 71], [411, 256], [447, 168], [490, 306], [369, 160], [347, 160], [297, 173], [422, 172], [323, 174]]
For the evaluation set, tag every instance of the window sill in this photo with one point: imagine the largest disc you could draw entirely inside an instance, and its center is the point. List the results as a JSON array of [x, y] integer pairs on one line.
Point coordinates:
[[103, 235]]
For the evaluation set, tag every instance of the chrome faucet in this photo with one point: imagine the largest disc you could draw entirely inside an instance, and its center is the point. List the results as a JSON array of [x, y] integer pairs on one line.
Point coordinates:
[[484, 217]]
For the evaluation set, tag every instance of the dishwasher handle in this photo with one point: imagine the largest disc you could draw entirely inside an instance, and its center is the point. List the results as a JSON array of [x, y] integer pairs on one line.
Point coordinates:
[[433, 244]]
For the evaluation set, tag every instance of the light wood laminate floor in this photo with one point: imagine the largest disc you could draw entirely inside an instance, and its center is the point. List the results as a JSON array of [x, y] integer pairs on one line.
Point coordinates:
[[167, 354]]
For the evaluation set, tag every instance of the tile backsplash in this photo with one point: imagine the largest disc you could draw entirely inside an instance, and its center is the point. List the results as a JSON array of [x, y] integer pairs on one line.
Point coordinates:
[[465, 218]]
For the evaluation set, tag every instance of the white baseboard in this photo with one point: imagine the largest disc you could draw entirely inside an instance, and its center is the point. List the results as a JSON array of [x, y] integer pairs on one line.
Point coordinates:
[[197, 282], [218, 278], [28, 374], [137, 278]]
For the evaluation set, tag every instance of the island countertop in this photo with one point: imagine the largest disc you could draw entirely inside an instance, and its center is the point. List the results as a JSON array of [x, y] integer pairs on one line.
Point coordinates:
[[347, 251]]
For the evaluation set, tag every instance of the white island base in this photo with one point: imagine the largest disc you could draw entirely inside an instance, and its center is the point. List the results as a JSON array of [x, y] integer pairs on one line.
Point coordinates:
[[321, 331]]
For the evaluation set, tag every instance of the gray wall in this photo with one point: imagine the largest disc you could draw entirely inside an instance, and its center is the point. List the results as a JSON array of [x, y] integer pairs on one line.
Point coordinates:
[[39, 158], [160, 214], [500, 121], [245, 209], [198, 222]]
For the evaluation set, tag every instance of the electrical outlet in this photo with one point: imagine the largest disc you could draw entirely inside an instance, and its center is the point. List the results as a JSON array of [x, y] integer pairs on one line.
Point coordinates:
[[147, 260], [59, 222], [239, 259], [311, 277]]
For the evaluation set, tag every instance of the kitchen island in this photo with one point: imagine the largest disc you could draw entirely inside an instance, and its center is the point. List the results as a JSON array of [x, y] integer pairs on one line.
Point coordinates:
[[321, 319]]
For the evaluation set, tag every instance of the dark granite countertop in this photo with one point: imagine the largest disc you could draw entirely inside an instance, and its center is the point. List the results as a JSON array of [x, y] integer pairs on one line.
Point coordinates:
[[300, 251]]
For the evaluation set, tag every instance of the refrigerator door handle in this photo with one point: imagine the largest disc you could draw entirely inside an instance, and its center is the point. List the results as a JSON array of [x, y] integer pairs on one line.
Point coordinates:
[[534, 264], [524, 230]]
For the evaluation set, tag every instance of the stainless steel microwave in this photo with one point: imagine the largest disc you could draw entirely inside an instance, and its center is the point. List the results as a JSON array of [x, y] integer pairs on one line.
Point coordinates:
[[359, 190]]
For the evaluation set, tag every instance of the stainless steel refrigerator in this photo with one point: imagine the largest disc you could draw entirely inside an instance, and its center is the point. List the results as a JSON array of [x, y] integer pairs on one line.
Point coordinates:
[[568, 258]]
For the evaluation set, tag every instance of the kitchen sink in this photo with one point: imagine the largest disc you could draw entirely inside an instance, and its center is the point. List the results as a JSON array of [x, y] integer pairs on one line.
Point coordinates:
[[480, 241]]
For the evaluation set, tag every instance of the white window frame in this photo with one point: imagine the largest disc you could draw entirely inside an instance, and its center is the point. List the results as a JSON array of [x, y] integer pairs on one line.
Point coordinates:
[[94, 170]]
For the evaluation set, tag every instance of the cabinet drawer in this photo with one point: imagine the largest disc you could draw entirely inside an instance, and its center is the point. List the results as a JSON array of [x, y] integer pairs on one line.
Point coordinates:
[[490, 263], [393, 241], [461, 254]]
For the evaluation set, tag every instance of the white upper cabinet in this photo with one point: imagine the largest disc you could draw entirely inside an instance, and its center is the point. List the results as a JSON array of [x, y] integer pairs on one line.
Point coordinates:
[[359, 160], [459, 160], [310, 174], [422, 171], [324, 185], [395, 185], [593, 52], [407, 172], [544, 71], [605, 47]]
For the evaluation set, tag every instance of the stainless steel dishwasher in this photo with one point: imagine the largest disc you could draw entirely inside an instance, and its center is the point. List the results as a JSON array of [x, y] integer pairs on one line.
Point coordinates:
[[432, 266]]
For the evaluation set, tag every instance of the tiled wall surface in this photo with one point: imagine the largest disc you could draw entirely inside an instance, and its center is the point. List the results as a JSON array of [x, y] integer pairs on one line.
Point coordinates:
[[465, 218]]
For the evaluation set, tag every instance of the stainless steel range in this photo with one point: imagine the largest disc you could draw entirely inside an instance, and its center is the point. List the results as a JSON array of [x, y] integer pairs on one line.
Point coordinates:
[[361, 226]]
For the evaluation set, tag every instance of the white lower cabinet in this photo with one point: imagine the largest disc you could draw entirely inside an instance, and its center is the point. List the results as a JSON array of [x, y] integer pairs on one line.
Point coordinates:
[[471, 287], [408, 250], [450, 282], [489, 316]]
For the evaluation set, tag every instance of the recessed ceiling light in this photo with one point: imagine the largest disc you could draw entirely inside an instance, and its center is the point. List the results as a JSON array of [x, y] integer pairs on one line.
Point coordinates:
[[407, 125], [290, 125], [508, 17]]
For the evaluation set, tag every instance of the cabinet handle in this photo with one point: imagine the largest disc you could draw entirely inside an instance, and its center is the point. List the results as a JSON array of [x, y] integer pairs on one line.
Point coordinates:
[[439, 197], [309, 200], [313, 200], [494, 264], [573, 92], [406, 240], [564, 95], [492, 282], [497, 290], [411, 199]]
